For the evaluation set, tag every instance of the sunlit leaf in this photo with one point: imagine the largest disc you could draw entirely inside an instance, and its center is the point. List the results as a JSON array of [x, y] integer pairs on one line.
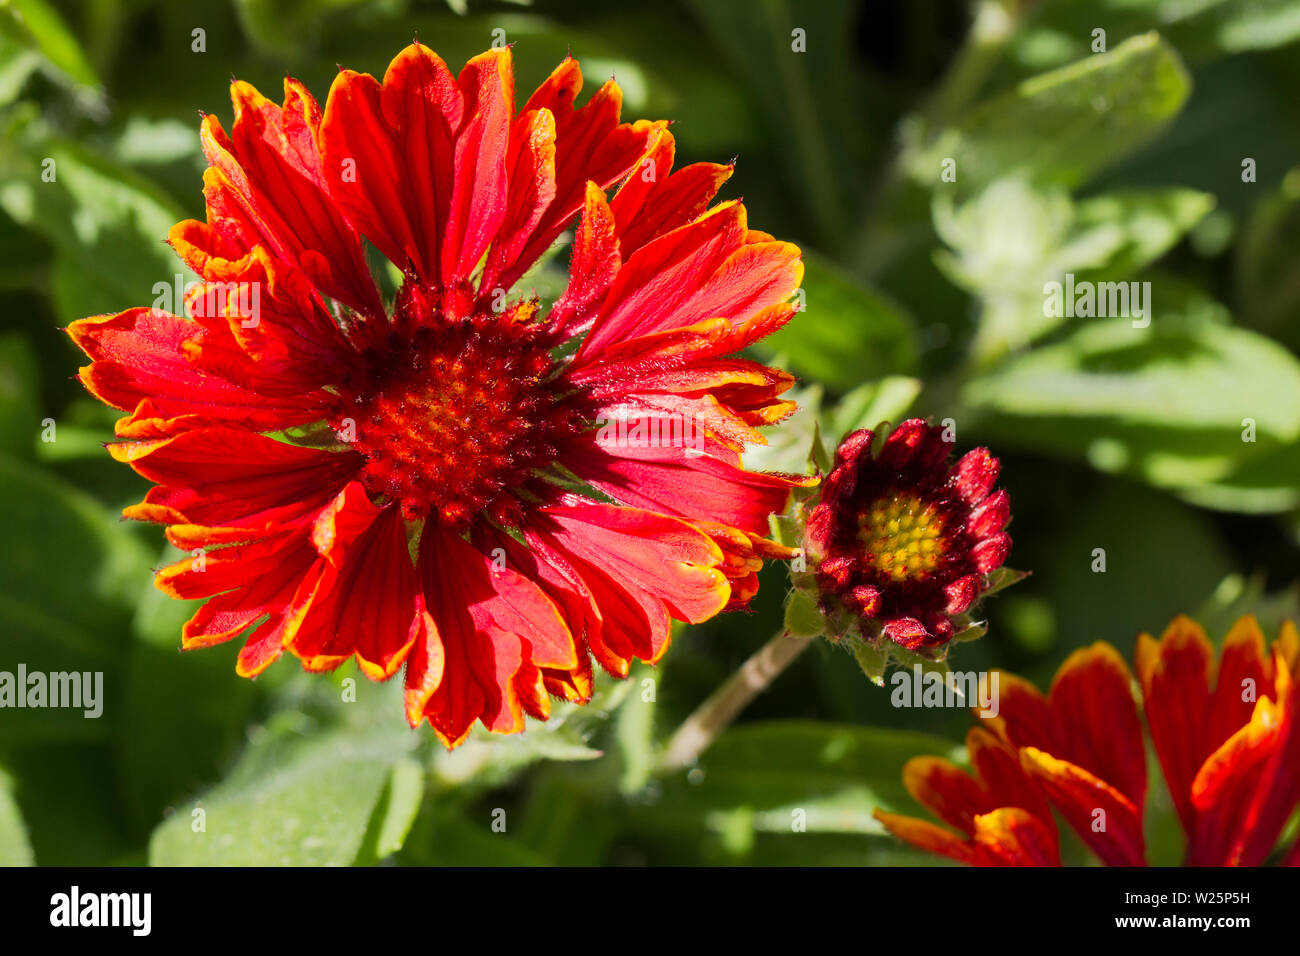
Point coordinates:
[[1065, 125], [301, 795], [14, 848], [846, 334]]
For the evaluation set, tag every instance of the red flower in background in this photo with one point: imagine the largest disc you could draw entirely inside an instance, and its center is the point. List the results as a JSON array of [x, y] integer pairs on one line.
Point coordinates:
[[904, 541], [428, 483], [1229, 748]]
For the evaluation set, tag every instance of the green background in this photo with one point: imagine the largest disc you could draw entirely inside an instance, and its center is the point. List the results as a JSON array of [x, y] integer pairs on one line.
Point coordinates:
[[922, 297]]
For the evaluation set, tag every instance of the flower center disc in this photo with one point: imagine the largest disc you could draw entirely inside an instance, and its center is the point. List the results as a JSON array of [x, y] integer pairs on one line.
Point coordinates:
[[903, 536], [454, 419]]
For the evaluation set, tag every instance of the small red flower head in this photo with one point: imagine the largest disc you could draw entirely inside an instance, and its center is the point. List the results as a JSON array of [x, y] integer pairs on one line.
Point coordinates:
[[454, 478], [901, 540]]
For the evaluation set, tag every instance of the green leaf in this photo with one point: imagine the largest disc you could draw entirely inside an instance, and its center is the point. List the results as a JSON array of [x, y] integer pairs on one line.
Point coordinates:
[[14, 848], [487, 760], [281, 28], [19, 420], [68, 555], [1175, 403], [1136, 227], [846, 334], [69, 801], [1263, 485], [872, 660], [1202, 30], [1260, 25], [634, 732], [790, 445], [107, 226], [456, 841], [81, 430], [299, 796], [1238, 594], [395, 812], [45, 29], [18, 60], [867, 406], [1000, 580], [803, 618], [70, 570], [836, 774], [191, 705], [1013, 239], [1063, 126]]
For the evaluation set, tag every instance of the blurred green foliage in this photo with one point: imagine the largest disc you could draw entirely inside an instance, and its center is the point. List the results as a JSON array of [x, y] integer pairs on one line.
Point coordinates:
[[924, 295]]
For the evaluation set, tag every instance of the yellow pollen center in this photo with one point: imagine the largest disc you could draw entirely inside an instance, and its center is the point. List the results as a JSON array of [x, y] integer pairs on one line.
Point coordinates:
[[903, 537]]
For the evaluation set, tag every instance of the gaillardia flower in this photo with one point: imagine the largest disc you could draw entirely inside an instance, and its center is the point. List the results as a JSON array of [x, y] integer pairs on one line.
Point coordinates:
[[436, 481], [1229, 748], [903, 542]]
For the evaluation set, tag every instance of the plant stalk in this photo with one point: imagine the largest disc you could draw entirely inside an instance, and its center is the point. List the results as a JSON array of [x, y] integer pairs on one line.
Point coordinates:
[[700, 729]]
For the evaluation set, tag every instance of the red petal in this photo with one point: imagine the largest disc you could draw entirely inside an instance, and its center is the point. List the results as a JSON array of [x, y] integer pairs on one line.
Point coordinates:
[[657, 351], [482, 656], [204, 574], [1024, 718], [232, 477], [702, 270], [291, 345], [668, 480], [531, 166], [526, 589], [590, 146], [927, 836], [990, 516], [592, 267], [974, 474], [139, 354], [913, 445], [1226, 783], [1103, 817], [961, 593], [425, 665], [657, 554], [272, 170], [989, 554], [1278, 790], [1010, 836], [478, 199], [365, 160], [948, 792], [1245, 675], [638, 568], [906, 632], [267, 593], [365, 601], [998, 766], [1175, 677], [864, 599], [1092, 699], [652, 202]]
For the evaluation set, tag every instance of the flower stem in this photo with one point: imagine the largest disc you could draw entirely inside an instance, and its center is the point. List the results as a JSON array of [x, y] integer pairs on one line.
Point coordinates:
[[711, 717]]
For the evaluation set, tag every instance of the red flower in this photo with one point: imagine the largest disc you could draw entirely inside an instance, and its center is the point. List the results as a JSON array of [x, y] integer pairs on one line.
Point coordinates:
[[903, 541], [1230, 750], [439, 483]]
